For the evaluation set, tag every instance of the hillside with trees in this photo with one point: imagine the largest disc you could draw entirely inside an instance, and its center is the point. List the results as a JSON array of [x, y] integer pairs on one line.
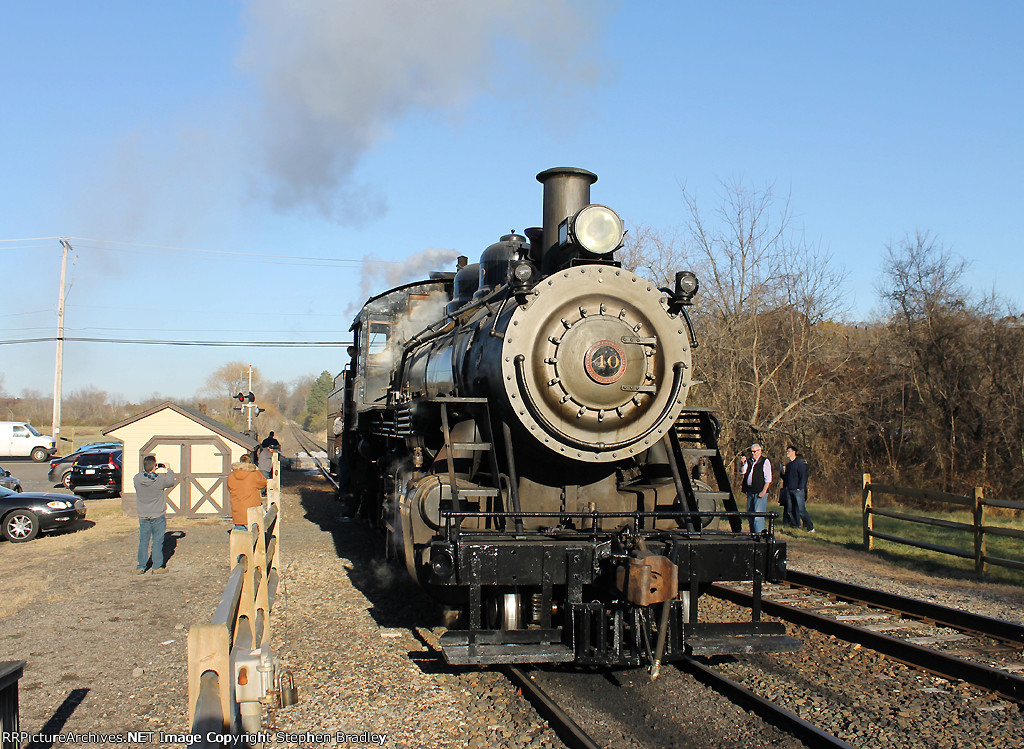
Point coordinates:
[[929, 394]]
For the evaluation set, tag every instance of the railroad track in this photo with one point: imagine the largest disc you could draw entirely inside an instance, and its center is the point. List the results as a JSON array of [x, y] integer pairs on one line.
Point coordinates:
[[560, 722], [946, 642], [311, 446], [675, 710]]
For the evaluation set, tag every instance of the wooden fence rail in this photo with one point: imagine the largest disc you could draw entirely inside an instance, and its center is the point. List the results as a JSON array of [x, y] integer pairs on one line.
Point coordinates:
[[977, 527], [241, 623]]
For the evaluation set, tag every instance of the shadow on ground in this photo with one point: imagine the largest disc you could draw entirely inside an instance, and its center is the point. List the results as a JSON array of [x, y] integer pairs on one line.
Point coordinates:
[[396, 601]]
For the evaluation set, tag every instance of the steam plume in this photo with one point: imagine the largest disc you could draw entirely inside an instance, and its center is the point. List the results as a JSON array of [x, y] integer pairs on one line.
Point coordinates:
[[334, 75]]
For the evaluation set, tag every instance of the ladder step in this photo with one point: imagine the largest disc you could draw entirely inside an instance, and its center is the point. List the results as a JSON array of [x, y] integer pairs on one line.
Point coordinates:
[[722, 496], [698, 452], [478, 492], [475, 446]]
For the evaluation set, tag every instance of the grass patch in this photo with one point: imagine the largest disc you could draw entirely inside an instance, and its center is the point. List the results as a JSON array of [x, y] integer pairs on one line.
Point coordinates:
[[71, 438], [842, 525]]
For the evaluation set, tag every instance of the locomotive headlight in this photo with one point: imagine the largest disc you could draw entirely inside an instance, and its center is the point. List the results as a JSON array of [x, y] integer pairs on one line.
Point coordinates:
[[442, 561], [596, 229], [686, 286], [522, 275]]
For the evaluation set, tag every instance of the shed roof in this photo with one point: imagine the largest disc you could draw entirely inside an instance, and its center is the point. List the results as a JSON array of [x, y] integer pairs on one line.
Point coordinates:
[[190, 413]]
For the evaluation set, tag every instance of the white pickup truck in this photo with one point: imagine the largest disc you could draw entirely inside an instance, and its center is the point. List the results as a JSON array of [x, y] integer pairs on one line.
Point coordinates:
[[19, 439]]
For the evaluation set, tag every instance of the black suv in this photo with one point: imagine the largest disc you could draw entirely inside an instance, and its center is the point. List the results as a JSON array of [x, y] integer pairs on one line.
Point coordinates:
[[98, 471], [60, 468]]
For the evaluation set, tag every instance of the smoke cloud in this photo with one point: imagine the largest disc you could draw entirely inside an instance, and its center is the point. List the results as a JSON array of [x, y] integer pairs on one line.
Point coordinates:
[[378, 276], [334, 76]]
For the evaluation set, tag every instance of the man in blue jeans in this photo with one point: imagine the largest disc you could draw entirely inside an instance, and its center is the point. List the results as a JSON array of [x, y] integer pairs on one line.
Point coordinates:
[[151, 496], [757, 477], [794, 478]]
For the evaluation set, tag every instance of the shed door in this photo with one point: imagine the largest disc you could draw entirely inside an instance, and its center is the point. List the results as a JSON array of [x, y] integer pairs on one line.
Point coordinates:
[[201, 465]]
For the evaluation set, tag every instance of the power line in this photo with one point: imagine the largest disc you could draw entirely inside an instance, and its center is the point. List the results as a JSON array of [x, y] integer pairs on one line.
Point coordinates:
[[98, 329], [105, 244], [157, 342]]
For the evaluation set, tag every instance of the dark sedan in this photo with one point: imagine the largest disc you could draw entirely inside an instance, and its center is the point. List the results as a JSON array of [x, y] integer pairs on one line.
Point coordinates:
[[97, 472], [25, 515], [11, 482], [60, 468]]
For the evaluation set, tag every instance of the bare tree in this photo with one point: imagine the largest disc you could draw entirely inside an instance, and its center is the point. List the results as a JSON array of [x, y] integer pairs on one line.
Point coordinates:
[[771, 352], [964, 359], [222, 385]]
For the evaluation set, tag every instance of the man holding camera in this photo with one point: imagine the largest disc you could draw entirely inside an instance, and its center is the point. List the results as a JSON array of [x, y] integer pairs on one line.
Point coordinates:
[[151, 496]]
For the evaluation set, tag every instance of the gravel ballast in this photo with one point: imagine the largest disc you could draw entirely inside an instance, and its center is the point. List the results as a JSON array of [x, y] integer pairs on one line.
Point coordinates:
[[105, 648]]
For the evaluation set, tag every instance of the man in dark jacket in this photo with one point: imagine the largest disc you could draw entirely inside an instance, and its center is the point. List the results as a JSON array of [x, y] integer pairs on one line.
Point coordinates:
[[151, 497], [757, 477], [794, 481]]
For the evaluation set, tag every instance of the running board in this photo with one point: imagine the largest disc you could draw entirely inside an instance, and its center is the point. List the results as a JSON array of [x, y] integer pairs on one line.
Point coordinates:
[[465, 648], [722, 638]]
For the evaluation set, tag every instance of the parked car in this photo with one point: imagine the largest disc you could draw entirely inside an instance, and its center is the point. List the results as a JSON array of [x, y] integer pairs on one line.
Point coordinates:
[[7, 480], [25, 515], [60, 468], [97, 471], [21, 439]]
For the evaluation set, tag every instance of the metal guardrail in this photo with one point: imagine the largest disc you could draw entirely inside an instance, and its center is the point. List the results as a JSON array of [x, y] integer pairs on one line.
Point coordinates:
[[978, 528], [240, 623], [10, 721]]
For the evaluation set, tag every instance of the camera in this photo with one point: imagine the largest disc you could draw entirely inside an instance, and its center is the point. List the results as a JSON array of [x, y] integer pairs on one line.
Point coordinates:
[[160, 465]]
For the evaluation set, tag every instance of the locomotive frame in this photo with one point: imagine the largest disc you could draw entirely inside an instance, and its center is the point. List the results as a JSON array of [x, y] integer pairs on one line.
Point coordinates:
[[519, 432]]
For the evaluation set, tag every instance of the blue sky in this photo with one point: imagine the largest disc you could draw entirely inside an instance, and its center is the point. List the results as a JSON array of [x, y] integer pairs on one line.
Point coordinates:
[[196, 152]]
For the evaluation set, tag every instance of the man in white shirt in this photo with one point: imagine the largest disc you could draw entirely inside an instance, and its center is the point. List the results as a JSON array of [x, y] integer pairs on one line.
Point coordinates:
[[757, 477]]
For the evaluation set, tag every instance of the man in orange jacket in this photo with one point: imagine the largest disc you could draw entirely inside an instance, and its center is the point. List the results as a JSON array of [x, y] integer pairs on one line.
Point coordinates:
[[244, 484]]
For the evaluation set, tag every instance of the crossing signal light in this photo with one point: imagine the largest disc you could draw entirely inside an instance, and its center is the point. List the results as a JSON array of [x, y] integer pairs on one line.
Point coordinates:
[[239, 397], [251, 398], [259, 411]]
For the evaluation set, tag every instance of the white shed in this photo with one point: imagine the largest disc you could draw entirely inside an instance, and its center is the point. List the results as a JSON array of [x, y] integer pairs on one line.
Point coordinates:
[[199, 450]]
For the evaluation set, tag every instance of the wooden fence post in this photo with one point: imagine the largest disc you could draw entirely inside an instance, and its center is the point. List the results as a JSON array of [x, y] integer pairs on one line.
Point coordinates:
[[258, 593], [979, 532], [868, 518], [208, 650]]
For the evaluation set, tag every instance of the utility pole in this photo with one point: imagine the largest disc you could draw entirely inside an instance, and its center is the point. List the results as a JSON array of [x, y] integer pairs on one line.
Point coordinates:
[[249, 410], [59, 369]]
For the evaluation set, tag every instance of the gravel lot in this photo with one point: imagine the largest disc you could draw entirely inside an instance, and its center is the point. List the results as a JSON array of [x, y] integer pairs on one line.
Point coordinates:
[[105, 648]]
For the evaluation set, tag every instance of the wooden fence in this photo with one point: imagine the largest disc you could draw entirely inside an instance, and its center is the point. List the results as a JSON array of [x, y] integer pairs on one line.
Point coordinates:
[[240, 625], [977, 528]]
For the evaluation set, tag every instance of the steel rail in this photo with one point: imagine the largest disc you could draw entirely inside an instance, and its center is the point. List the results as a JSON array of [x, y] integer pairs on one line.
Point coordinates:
[[564, 727], [305, 443], [931, 612], [769, 711], [1002, 683]]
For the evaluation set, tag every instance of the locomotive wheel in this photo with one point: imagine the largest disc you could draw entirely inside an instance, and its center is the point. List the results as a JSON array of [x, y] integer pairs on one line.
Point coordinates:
[[505, 611]]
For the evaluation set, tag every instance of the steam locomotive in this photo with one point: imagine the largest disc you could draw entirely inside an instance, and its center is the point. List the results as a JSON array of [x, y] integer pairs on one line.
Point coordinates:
[[519, 431]]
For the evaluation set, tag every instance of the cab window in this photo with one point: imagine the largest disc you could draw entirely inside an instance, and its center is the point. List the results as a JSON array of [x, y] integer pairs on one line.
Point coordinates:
[[377, 339]]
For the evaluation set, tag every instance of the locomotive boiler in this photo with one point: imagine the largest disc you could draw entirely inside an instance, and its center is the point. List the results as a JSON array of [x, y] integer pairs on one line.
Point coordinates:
[[519, 431]]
